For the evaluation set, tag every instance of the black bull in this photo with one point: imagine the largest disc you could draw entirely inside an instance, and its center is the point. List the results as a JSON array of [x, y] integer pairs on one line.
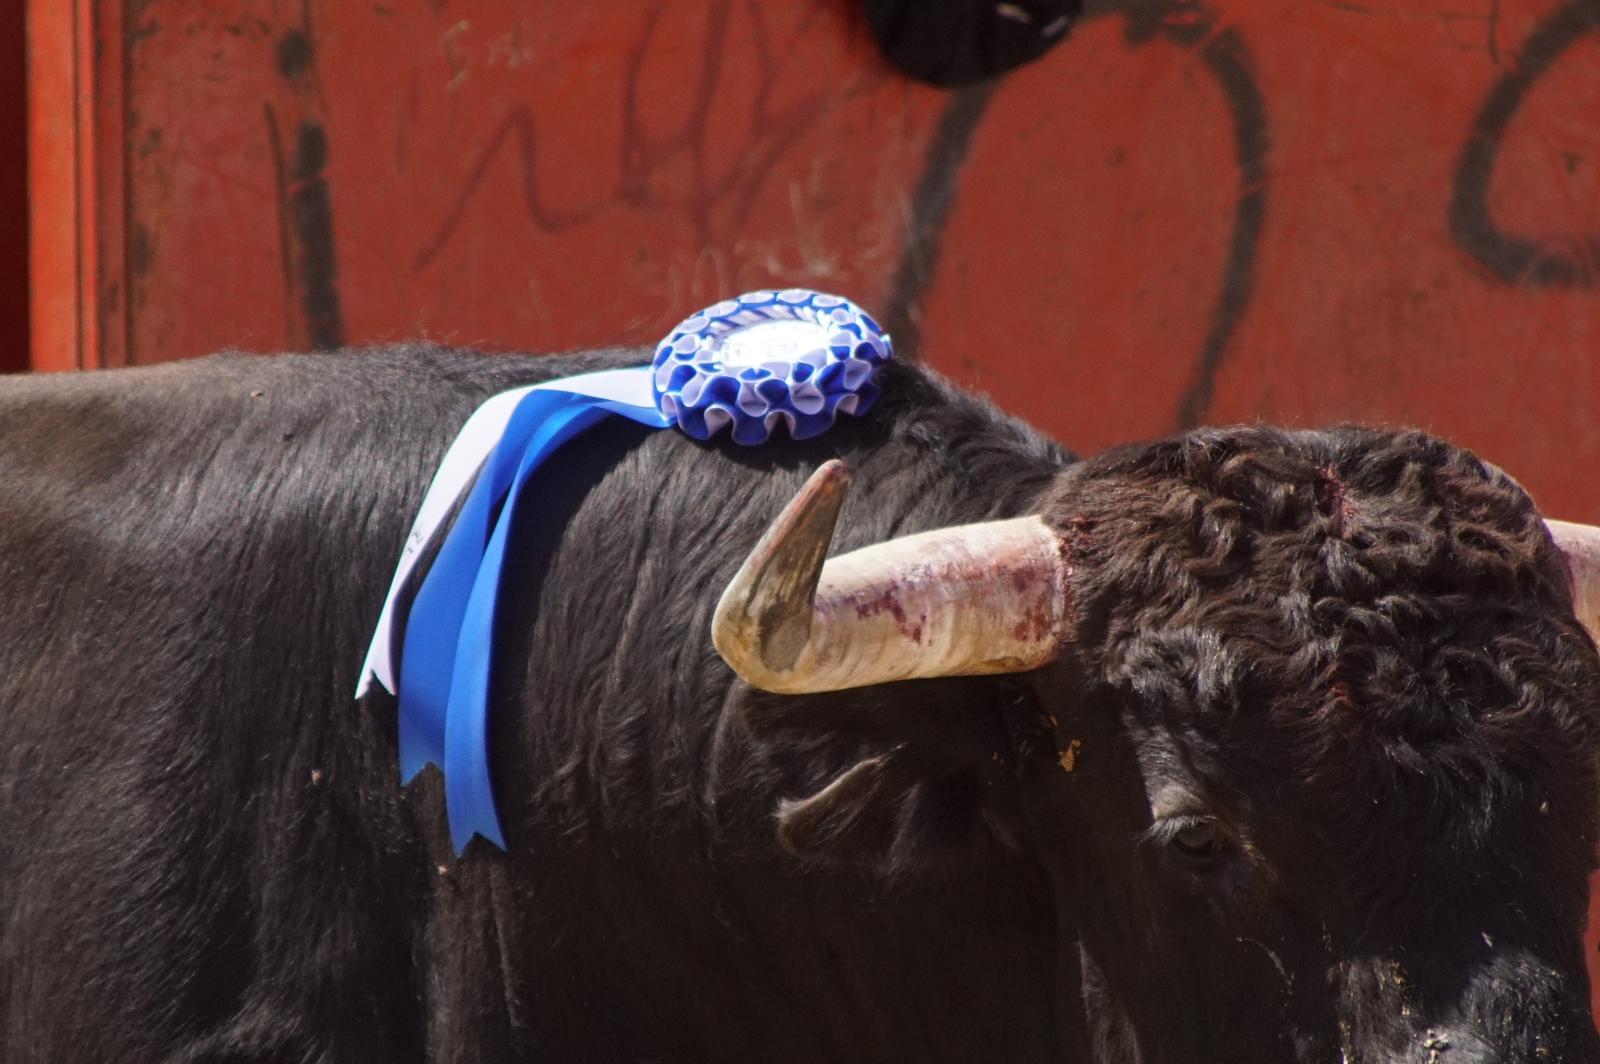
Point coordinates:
[[1313, 779]]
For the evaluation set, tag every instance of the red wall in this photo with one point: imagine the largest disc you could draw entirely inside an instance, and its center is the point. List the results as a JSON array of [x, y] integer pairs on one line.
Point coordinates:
[[1237, 210]]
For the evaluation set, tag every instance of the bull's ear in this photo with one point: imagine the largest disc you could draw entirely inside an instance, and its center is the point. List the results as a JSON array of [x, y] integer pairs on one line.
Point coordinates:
[[891, 704], [901, 774]]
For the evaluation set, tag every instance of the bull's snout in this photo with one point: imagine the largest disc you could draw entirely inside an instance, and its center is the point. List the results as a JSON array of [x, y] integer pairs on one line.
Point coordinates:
[[1508, 1009], [1450, 1044], [1458, 1044], [1469, 1044]]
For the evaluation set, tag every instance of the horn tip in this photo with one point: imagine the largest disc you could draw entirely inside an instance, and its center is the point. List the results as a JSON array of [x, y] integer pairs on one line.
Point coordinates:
[[831, 476], [763, 619]]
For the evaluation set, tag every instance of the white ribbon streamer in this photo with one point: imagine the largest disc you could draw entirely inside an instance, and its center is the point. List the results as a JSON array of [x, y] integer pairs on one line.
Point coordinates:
[[460, 465]]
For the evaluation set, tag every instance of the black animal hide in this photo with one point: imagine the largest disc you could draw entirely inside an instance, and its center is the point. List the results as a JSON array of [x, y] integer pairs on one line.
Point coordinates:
[[1313, 780]]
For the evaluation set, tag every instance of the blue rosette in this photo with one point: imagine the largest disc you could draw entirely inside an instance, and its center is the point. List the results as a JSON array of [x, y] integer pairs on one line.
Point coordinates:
[[796, 357]]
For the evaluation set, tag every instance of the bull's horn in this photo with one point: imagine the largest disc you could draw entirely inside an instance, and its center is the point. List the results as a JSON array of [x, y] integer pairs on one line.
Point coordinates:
[[1581, 545], [964, 601]]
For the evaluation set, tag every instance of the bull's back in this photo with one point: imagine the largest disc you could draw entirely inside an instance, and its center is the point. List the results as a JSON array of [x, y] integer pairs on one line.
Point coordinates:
[[203, 844]]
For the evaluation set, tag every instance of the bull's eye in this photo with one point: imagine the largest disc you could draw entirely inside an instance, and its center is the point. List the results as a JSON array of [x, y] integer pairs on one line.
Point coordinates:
[[1195, 838]]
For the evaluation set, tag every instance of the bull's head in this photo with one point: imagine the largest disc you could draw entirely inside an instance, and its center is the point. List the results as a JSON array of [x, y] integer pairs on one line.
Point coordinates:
[[1313, 776]]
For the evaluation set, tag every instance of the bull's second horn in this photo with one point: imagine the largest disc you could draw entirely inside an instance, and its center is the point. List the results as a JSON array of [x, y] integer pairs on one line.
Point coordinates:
[[970, 600], [1581, 546]]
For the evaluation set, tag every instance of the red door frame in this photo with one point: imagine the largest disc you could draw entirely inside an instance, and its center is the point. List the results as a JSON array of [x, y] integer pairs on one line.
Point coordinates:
[[75, 169]]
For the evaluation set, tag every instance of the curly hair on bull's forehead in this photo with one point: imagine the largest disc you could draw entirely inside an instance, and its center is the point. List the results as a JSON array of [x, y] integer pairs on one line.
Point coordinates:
[[1387, 605], [1342, 556]]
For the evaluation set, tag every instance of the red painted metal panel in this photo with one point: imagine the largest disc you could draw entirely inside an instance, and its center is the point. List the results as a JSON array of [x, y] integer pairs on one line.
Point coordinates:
[[504, 176], [1227, 211], [1301, 215]]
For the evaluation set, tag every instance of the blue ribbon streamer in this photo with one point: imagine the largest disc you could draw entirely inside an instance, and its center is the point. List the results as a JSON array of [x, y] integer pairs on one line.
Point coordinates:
[[446, 658]]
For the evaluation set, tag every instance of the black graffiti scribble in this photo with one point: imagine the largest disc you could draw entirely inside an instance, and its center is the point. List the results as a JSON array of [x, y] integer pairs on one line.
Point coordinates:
[[717, 204], [298, 140], [305, 233], [930, 209], [1226, 56], [1513, 258]]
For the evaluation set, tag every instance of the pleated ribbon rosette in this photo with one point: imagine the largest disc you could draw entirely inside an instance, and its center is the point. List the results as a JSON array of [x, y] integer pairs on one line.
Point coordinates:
[[794, 358]]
